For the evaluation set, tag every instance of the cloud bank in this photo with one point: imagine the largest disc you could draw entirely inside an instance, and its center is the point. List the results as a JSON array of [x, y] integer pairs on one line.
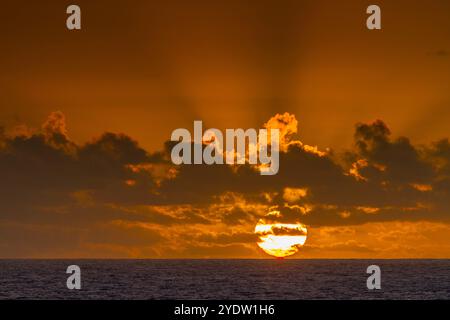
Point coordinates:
[[111, 198]]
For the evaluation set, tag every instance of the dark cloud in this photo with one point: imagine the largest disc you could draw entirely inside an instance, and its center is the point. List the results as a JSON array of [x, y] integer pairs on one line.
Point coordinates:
[[50, 183], [236, 216], [399, 161], [439, 154]]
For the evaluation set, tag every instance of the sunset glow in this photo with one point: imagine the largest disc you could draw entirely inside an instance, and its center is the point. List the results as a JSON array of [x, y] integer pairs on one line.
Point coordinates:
[[362, 168], [280, 239]]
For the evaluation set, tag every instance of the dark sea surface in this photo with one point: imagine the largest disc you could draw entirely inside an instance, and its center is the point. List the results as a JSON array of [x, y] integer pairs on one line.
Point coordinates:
[[225, 279]]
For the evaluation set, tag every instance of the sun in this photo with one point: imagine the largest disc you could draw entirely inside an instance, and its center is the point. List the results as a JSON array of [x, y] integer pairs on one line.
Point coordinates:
[[280, 239]]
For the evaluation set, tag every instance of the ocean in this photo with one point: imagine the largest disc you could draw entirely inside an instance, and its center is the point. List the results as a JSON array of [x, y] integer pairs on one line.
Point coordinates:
[[225, 279]]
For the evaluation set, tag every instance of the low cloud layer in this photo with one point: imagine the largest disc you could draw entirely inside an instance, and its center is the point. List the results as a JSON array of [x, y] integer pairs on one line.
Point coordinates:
[[111, 198]]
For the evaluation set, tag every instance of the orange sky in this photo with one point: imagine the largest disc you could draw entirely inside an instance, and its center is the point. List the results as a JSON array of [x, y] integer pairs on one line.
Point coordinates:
[[131, 66], [148, 68]]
